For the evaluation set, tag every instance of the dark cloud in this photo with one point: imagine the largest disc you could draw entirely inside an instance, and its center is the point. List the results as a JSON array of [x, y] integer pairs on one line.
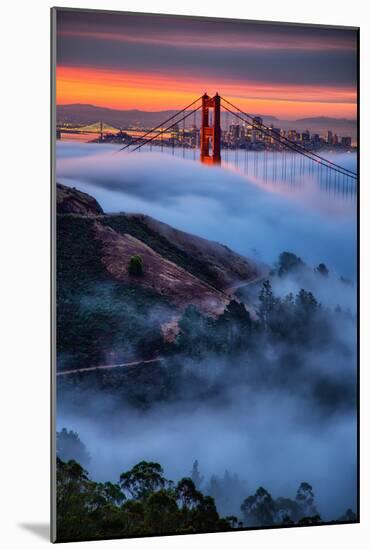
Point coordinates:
[[244, 51], [290, 67], [141, 25]]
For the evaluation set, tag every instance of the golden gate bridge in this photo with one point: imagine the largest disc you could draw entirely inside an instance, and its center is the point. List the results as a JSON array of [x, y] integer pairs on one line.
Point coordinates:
[[211, 144]]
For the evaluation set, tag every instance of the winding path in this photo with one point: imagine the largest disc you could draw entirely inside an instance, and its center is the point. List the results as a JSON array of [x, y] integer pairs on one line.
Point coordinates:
[[233, 288], [228, 291], [115, 366]]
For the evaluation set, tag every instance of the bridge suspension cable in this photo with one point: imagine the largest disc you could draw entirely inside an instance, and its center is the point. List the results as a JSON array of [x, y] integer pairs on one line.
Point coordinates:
[[168, 128], [291, 144], [304, 152], [250, 120], [157, 128]]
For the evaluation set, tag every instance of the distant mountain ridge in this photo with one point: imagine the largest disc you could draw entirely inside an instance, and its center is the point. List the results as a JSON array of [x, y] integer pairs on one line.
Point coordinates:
[[327, 119], [87, 114], [84, 113]]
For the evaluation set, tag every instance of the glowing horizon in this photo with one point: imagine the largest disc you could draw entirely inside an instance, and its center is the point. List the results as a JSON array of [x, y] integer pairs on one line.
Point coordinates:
[[149, 92]]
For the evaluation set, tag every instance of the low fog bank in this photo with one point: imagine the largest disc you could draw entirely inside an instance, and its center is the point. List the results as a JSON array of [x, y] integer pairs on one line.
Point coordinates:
[[275, 417], [268, 439], [259, 220], [290, 273]]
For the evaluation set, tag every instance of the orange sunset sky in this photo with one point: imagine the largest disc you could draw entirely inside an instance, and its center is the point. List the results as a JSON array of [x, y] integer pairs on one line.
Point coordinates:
[[155, 63]]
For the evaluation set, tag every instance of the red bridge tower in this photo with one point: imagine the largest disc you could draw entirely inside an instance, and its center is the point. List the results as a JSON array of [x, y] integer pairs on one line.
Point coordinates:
[[210, 135]]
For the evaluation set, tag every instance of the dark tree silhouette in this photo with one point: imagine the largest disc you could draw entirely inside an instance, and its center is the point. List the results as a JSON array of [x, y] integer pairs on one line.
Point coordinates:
[[186, 493], [143, 479], [305, 500], [259, 509], [89, 510], [288, 262], [70, 447], [196, 477], [322, 270], [267, 303]]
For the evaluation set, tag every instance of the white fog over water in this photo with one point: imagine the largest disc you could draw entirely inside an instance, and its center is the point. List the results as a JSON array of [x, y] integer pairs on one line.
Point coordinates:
[[255, 215]]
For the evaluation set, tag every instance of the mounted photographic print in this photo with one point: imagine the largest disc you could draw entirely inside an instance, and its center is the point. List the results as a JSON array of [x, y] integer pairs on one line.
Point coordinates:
[[204, 225]]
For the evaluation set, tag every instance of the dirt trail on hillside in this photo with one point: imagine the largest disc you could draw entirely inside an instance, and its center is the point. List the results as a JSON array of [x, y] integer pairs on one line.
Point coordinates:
[[114, 366]]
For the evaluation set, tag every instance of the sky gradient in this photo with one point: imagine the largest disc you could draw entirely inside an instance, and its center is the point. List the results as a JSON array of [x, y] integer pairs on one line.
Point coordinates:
[[156, 63]]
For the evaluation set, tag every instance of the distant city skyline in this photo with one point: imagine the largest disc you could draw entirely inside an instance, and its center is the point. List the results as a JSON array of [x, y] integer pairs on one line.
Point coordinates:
[[154, 63]]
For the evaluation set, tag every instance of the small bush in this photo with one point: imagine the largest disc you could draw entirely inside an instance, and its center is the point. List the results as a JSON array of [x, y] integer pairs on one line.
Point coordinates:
[[135, 266]]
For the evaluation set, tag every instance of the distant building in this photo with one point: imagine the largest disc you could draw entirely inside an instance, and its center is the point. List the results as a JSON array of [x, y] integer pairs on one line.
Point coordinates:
[[235, 131], [329, 137], [175, 133], [305, 136], [275, 133], [194, 136], [346, 141]]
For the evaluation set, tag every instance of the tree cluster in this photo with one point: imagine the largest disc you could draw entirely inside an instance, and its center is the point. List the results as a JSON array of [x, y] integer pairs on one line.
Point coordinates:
[[295, 319], [142, 502], [199, 335], [261, 509]]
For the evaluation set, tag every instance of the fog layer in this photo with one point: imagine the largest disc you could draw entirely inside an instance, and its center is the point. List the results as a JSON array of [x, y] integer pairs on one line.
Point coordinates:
[[256, 218], [276, 428]]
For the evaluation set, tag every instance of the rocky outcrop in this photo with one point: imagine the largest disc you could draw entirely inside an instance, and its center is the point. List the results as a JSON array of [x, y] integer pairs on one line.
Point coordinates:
[[71, 201]]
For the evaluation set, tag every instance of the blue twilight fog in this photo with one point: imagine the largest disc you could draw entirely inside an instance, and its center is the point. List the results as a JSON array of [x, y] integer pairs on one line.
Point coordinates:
[[249, 213], [274, 435]]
